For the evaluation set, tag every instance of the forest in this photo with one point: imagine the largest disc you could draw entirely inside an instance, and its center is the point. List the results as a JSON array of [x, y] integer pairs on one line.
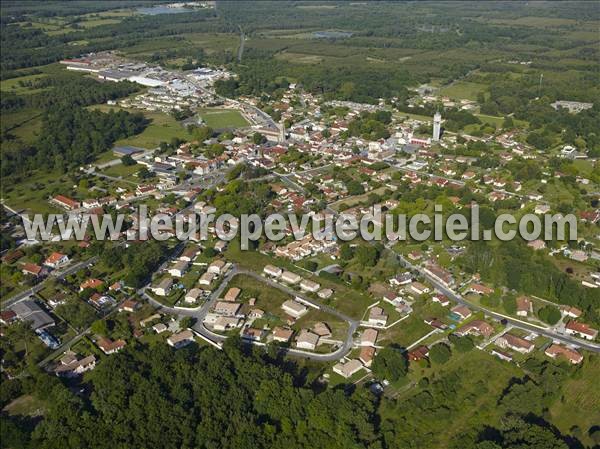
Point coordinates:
[[248, 398]]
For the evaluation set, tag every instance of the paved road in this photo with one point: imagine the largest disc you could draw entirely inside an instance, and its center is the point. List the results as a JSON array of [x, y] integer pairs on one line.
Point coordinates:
[[60, 275], [513, 321], [199, 313], [594, 347]]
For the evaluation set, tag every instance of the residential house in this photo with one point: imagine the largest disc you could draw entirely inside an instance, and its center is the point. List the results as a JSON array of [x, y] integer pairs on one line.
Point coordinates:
[[192, 295], [31, 269], [416, 288], [571, 312], [581, 330], [479, 289], [348, 369], [163, 288], [273, 271], [571, 355], [252, 333], [401, 279], [369, 337], [90, 283], [225, 323], [207, 278], [227, 308], [322, 330], [181, 339], [159, 328], [294, 308], [232, 294], [419, 353], [290, 278], [129, 305], [515, 343], [56, 260], [109, 346], [476, 327], [7, 317], [367, 353], [461, 312], [524, 306], [71, 366], [441, 299], [307, 340], [309, 286], [282, 334], [216, 267], [179, 268], [377, 317], [65, 202]]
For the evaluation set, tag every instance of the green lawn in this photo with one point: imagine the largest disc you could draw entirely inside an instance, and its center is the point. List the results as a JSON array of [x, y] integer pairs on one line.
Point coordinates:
[[122, 171], [222, 118], [345, 299], [462, 90]]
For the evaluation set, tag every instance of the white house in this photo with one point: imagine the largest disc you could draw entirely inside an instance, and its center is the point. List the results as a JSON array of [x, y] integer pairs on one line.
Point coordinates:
[[273, 271], [307, 340], [290, 278], [179, 268], [163, 288], [293, 308], [309, 286], [192, 296]]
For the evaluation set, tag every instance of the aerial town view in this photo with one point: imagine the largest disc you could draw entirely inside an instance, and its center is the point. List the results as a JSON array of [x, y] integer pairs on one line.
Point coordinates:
[[300, 224]]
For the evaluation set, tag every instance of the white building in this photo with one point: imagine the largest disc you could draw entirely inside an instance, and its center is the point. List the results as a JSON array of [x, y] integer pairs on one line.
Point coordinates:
[[437, 126], [294, 309]]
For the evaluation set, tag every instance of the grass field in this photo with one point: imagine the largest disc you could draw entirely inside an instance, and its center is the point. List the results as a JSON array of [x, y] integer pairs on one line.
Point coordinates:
[[12, 85], [25, 405], [487, 377], [222, 118], [162, 128], [462, 90], [580, 405], [32, 193]]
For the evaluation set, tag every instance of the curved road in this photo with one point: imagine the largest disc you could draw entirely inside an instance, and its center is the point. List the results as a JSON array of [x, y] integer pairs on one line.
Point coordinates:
[[199, 313], [515, 322]]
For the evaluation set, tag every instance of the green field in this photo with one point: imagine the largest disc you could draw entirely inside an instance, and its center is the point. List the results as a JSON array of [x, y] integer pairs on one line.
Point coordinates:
[[222, 118], [462, 90], [12, 85], [581, 395], [162, 128]]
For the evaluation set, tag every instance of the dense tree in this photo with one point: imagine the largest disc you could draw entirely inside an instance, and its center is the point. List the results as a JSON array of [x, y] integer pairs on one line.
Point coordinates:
[[390, 364], [440, 353]]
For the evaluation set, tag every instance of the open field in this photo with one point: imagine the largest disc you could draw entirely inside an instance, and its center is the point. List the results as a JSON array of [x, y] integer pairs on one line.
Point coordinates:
[[222, 118], [581, 401], [12, 85], [162, 128], [32, 194], [462, 90], [25, 405], [487, 377]]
